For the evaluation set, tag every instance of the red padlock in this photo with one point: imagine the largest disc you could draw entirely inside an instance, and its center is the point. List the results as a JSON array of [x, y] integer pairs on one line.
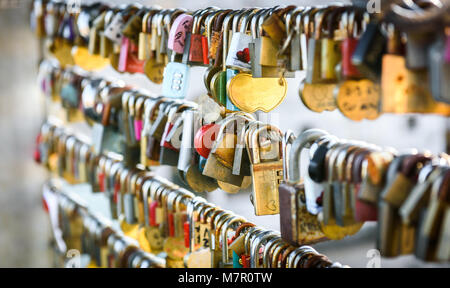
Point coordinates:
[[364, 211], [205, 50], [101, 181], [116, 192], [152, 213], [165, 143], [187, 240], [204, 138], [348, 46], [197, 41]]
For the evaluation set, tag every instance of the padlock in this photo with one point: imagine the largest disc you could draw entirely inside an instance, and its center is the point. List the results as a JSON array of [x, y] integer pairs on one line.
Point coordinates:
[[98, 25], [176, 75], [266, 175], [398, 188], [223, 236], [145, 36], [156, 130], [313, 72], [128, 58], [197, 40], [387, 233], [330, 52], [188, 119], [369, 51], [219, 80], [128, 61], [177, 34], [256, 69], [294, 27], [297, 225], [417, 199], [151, 106], [214, 166], [363, 210], [348, 46], [265, 48], [264, 51], [176, 79], [430, 221], [174, 244], [238, 56], [204, 138], [189, 163], [168, 153]]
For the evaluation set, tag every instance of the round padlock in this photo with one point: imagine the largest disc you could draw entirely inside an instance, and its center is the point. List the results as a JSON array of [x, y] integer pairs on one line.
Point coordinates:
[[204, 139]]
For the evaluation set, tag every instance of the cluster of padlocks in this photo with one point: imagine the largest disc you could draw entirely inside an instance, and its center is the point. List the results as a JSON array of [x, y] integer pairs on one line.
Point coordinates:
[[355, 62]]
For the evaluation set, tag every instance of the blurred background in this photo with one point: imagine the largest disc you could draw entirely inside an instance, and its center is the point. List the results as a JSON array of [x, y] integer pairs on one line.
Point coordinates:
[[24, 226]]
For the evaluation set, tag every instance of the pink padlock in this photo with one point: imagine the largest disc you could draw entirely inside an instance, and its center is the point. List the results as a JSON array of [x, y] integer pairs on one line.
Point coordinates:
[[137, 129], [177, 34], [123, 57], [128, 60]]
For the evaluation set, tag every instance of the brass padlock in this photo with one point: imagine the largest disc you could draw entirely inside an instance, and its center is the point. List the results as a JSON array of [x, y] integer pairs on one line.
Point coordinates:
[[298, 226], [220, 161], [266, 176]]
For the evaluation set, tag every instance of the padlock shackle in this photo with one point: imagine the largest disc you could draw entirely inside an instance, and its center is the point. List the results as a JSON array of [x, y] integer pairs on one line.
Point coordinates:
[[287, 140], [171, 200], [254, 22], [276, 253], [304, 140], [145, 188], [225, 29], [255, 141], [334, 153], [246, 18], [237, 19], [269, 247], [206, 210], [224, 230], [219, 224], [252, 231], [306, 17], [224, 124], [191, 207], [221, 221], [299, 253], [256, 243], [341, 160]]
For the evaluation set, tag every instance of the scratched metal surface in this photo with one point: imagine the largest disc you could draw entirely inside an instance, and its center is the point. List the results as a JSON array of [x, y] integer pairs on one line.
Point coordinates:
[[24, 226]]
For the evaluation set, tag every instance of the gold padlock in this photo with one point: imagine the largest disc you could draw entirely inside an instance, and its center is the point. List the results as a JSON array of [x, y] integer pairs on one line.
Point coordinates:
[[226, 148], [267, 175]]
